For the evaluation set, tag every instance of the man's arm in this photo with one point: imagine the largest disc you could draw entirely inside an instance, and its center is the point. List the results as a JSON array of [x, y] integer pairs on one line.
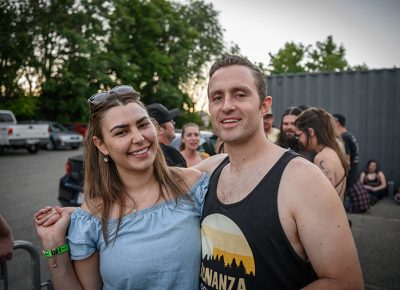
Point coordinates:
[[208, 165], [322, 227], [6, 240]]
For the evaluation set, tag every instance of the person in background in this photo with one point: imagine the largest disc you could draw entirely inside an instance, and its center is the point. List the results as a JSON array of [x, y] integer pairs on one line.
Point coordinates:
[[6, 241], [374, 181], [316, 132], [271, 219], [190, 141], [287, 137], [270, 131], [351, 149], [166, 132], [139, 227]]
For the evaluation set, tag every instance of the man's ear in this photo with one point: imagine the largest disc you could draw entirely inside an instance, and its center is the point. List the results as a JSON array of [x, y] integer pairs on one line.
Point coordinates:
[[100, 145], [311, 132], [266, 105]]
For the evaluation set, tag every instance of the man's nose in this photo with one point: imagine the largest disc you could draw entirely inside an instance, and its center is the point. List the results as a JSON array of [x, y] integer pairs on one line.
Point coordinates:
[[228, 104]]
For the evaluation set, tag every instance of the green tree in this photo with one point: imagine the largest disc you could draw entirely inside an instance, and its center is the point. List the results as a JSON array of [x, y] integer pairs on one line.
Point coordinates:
[[325, 56], [289, 59], [164, 46], [73, 48]]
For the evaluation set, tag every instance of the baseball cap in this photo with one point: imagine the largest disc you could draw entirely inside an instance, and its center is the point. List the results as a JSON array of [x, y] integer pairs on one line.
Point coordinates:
[[269, 114], [161, 114]]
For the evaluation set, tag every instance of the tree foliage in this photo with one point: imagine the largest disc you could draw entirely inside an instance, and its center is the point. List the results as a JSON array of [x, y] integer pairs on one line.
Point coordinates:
[[60, 52], [325, 56]]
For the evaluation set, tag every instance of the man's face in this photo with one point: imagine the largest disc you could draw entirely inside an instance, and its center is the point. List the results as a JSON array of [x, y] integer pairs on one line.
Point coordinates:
[[301, 138], [234, 104], [288, 125], [268, 123], [169, 130]]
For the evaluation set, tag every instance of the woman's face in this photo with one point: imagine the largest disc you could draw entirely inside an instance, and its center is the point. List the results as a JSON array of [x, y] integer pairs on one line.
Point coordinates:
[[129, 137], [372, 167], [191, 137]]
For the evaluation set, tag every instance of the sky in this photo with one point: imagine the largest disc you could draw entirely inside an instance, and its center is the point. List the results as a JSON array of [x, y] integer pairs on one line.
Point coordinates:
[[369, 30]]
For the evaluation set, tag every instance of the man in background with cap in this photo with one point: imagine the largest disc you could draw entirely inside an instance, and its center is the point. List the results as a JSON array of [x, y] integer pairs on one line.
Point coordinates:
[[270, 131], [166, 132]]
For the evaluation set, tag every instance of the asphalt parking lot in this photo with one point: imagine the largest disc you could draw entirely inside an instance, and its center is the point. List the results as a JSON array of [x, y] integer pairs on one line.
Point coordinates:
[[30, 181]]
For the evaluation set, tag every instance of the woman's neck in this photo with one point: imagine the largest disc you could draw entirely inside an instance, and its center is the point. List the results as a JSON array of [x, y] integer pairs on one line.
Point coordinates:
[[189, 152]]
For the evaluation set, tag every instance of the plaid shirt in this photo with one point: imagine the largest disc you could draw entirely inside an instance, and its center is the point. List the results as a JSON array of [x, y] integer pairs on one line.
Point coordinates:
[[359, 198]]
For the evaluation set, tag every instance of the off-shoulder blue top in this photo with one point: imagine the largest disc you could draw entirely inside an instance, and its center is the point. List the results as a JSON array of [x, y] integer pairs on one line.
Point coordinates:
[[156, 248]]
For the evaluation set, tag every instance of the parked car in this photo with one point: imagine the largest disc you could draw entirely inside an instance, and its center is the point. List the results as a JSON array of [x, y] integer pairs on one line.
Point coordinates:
[[21, 135], [70, 191], [77, 127], [61, 137]]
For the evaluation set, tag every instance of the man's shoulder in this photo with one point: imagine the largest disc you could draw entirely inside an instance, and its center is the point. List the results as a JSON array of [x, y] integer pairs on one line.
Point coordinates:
[[168, 148], [173, 156]]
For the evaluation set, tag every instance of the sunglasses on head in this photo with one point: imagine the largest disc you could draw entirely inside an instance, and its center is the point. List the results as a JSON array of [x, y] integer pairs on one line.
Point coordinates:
[[118, 90]]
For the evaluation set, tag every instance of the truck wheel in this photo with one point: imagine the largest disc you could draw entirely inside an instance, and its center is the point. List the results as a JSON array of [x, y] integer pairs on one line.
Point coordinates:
[[34, 148]]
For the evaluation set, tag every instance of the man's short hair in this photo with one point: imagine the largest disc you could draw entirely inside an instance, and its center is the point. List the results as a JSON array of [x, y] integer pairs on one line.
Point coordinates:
[[259, 77], [341, 119]]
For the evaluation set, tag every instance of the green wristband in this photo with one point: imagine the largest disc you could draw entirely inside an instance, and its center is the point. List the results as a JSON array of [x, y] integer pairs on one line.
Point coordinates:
[[56, 251]]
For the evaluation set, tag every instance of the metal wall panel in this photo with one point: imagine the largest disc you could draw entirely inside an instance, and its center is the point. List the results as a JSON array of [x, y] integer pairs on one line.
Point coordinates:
[[369, 100]]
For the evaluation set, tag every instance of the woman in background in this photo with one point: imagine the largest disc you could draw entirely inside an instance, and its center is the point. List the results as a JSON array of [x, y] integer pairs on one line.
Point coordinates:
[[315, 132], [374, 180], [189, 143]]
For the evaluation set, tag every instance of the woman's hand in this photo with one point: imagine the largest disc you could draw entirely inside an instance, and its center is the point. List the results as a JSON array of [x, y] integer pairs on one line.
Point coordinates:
[[51, 225], [369, 187]]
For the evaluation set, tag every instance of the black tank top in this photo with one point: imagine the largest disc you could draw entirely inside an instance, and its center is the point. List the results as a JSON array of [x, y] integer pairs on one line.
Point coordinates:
[[244, 245]]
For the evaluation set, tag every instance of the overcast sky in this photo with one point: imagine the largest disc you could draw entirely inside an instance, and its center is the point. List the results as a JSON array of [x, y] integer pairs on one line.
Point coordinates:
[[368, 29]]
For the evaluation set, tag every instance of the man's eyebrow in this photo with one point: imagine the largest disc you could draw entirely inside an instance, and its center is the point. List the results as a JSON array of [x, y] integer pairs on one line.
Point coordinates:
[[234, 89]]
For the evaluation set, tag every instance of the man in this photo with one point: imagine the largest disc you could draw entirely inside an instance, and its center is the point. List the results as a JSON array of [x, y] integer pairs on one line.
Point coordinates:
[[351, 149], [316, 132], [6, 241], [286, 137], [270, 131], [166, 132], [271, 220]]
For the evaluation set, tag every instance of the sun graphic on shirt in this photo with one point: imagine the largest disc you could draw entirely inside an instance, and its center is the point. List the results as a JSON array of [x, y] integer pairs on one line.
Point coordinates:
[[222, 237]]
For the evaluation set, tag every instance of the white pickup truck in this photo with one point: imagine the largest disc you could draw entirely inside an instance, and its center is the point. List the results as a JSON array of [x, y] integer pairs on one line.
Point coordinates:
[[15, 136]]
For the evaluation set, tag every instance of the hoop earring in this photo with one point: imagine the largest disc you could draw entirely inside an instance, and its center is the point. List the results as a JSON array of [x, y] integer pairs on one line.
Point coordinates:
[[106, 158]]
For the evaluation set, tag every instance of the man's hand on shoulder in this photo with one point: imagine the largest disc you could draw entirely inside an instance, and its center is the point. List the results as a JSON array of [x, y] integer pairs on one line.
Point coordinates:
[[208, 165]]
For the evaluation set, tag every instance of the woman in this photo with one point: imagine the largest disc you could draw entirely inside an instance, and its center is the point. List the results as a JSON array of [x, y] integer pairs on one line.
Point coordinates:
[[189, 143], [374, 180], [139, 226], [315, 132]]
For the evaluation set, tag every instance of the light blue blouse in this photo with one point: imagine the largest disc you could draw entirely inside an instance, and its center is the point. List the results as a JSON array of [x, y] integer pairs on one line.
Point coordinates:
[[156, 248]]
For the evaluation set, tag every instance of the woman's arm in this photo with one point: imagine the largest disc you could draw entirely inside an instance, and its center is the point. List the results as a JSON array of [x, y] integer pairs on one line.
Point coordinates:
[[382, 180], [362, 177], [63, 273]]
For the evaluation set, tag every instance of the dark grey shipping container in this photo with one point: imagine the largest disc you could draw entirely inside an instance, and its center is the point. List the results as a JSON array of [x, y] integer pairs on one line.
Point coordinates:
[[369, 100]]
